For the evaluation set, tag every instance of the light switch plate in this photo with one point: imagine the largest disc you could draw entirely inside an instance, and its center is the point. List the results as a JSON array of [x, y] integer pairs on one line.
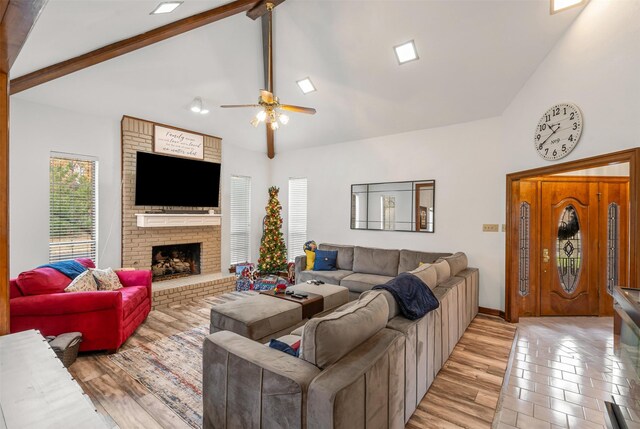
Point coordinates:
[[490, 227]]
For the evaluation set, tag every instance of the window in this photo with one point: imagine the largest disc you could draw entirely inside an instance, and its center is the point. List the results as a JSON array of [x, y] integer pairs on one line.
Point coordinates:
[[240, 219], [297, 216], [73, 207]]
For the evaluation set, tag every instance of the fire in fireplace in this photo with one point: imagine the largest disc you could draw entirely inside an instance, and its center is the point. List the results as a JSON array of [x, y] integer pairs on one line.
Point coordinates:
[[175, 260]]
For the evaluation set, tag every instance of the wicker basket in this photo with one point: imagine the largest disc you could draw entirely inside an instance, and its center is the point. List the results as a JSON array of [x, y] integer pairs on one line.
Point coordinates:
[[66, 346]]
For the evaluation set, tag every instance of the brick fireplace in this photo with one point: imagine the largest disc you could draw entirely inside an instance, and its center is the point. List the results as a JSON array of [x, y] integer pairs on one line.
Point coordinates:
[[138, 243]]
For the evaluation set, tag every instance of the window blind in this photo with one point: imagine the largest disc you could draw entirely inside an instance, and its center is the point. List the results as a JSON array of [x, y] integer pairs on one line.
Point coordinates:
[[73, 223], [240, 219], [297, 216]]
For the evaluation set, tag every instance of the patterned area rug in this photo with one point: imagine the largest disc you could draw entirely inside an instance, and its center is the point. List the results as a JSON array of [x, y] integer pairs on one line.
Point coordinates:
[[171, 368]]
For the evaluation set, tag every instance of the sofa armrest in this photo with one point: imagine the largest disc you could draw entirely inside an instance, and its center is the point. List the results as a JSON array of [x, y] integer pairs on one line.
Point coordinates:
[[376, 368], [301, 264], [65, 303], [247, 384], [136, 278]]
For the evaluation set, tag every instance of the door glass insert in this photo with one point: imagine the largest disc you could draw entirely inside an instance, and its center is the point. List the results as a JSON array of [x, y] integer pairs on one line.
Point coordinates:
[[525, 214], [569, 249], [613, 234]]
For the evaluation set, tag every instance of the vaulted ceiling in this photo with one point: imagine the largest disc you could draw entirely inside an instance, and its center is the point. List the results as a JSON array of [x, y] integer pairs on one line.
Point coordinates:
[[475, 55]]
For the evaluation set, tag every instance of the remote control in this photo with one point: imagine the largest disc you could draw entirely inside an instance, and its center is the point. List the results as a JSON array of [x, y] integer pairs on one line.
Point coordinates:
[[288, 292], [295, 295]]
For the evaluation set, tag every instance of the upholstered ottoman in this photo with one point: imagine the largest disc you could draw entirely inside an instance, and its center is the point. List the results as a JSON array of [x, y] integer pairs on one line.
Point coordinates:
[[334, 295], [258, 317]]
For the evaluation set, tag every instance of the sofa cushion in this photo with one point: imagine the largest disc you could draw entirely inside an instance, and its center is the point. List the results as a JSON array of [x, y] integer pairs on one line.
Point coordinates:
[[394, 310], [443, 270], [457, 262], [411, 259], [330, 277], [369, 260], [428, 274], [325, 340], [325, 260], [359, 282], [132, 297], [345, 255]]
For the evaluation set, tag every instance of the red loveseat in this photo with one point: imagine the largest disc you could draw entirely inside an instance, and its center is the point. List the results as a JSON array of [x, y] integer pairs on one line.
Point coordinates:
[[105, 318]]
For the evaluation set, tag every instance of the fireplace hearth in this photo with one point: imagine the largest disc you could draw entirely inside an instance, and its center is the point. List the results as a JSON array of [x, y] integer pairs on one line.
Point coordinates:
[[175, 260]]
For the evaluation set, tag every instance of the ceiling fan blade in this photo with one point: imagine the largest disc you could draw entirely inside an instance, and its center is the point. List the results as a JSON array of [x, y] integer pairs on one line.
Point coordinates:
[[270, 145], [239, 105], [298, 109], [266, 96]]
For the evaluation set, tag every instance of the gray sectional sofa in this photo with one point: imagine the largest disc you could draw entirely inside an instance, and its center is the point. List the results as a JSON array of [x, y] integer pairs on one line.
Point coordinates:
[[363, 351], [361, 268]]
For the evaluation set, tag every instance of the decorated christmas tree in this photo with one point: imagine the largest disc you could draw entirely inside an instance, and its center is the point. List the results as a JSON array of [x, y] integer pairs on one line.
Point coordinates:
[[273, 251]]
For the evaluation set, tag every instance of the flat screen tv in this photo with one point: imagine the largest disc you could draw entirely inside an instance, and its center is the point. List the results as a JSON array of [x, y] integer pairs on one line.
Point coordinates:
[[178, 182]]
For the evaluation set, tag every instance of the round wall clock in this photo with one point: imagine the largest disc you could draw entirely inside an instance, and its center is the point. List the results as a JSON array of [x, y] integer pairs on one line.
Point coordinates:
[[558, 131]]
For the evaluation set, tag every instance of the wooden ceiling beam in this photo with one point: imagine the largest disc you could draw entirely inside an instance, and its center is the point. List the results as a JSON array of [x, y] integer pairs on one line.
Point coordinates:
[[18, 18], [125, 46]]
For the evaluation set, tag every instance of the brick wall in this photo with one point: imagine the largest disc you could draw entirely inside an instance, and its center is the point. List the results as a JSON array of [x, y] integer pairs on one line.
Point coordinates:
[[183, 294], [137, 136]]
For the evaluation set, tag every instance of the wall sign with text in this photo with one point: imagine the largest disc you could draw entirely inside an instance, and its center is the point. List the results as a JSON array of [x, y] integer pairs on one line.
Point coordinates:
[[178, 143]]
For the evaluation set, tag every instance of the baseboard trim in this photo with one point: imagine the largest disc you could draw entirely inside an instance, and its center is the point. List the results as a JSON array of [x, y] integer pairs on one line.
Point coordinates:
[[491, 312]]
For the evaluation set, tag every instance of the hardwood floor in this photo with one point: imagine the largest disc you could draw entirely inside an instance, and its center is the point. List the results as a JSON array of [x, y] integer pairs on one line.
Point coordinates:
[[464, 394], [466, 391]]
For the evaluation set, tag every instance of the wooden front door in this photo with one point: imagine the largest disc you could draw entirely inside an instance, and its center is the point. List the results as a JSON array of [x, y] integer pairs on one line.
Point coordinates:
[[569, 244]]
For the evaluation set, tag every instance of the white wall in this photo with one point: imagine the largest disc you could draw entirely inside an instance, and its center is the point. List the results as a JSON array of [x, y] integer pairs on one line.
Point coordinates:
[[469, 191], [37, 130], [596, 65]]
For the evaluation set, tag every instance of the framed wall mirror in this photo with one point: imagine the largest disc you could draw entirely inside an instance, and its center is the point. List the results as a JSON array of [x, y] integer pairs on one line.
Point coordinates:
[[394, 206]]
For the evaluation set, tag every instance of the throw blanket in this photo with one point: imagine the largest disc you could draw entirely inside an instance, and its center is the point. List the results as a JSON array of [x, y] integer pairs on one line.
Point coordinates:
[[70, 268], [413, 296]]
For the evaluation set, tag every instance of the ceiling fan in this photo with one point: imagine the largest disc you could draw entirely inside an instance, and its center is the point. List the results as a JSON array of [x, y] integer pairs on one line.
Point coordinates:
[[271, 112]]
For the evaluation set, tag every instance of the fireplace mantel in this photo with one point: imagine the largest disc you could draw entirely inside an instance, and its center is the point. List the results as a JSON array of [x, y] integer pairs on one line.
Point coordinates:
[[164, 220]]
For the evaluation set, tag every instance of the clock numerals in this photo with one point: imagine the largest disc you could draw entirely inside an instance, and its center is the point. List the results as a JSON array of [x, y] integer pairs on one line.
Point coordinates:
[[558, 131]]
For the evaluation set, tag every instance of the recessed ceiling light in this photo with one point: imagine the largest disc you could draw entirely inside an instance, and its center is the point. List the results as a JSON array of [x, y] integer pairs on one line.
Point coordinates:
[[306, 85], [560, 5], [166, 7], [406, 52]]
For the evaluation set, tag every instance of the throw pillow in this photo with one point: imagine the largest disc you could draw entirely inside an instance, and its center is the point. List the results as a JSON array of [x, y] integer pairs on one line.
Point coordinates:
[[325, 260], [83, 283], [311, 259], [107, 279], [284, 347]]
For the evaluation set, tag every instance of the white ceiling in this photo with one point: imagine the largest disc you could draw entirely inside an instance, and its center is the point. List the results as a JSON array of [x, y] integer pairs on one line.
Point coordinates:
[[475, 55]]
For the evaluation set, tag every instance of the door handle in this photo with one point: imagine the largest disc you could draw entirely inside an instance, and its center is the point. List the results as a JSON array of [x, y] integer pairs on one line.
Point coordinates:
[[545, 256]]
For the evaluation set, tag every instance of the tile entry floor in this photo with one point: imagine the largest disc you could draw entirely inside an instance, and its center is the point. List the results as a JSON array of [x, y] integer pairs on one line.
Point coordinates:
[[563, 370]]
